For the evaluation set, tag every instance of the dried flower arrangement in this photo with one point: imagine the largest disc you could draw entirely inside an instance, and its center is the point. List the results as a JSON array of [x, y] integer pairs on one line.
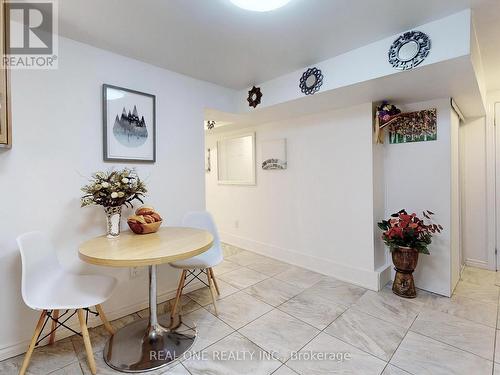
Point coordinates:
[[113, 189]]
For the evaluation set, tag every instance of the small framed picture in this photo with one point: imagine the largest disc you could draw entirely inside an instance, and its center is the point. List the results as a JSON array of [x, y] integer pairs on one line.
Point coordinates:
[[129, 125], [274, 154]]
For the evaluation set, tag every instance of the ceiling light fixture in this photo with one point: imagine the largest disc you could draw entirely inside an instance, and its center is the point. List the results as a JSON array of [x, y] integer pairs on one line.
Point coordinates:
[[260, 5]]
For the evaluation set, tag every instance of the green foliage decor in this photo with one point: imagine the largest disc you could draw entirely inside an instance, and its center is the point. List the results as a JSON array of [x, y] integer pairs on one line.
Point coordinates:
[[408, 230]]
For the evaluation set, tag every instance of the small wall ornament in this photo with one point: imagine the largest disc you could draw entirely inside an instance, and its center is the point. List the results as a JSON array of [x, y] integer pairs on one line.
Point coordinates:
[[210, 124], [274, 154], [254, 97], [409, 50], [311, 81]]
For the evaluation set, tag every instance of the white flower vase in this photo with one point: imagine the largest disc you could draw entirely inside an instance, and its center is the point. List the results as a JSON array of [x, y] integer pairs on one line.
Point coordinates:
[[113, 218]]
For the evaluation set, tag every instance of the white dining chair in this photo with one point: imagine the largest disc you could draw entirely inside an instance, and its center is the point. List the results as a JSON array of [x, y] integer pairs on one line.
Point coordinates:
[[201, 264], [48, 287]]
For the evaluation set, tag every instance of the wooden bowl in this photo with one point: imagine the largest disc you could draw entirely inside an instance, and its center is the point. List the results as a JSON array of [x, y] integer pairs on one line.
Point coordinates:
[[138, 228]]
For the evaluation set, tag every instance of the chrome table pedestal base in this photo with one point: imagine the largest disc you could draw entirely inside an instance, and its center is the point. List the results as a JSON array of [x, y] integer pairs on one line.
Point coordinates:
[[146, 344]]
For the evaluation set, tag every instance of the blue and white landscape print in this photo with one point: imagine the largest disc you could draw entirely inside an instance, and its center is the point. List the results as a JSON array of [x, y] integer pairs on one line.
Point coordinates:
[[130, 129]]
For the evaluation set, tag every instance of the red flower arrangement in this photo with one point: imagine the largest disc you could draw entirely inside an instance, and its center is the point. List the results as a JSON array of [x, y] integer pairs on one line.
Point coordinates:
[[407, 230]]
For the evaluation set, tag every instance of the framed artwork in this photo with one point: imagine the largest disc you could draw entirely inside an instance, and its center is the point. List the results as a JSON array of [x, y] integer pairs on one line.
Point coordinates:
[[274, 154], [129, 125], [5, 113], [419, 126]]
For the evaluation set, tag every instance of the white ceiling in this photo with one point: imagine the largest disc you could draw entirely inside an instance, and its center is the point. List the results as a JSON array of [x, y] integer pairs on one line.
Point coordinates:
[[215, 41]]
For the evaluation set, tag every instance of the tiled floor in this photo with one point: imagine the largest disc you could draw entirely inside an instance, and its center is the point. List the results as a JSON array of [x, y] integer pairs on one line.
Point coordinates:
[[283, 320]]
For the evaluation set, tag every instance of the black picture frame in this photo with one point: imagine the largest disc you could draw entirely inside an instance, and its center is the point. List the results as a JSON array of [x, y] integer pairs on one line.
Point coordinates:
[[150, 130]]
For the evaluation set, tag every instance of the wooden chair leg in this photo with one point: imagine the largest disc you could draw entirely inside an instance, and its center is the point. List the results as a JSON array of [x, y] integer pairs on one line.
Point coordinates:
[[211, 270], [86, 341], [31, 347], [104, 320], [52, 338], [212, 290], [178, 294]]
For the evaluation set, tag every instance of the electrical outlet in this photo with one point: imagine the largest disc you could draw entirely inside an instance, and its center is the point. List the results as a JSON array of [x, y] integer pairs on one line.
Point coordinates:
[[135, 272]]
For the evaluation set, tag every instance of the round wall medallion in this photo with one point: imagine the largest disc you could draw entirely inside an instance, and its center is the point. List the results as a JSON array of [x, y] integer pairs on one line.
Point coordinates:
[[311, 81], [254, 97], [409, 50], [210, 125]]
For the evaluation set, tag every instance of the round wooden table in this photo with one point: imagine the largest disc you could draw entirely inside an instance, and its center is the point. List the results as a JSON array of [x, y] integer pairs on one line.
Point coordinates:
[[146, 344]]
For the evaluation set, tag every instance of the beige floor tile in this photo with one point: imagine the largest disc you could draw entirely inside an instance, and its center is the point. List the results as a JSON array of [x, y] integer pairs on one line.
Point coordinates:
[[242, 278], [342, 294], [358, 363], [313, 309], [497, 347], [393, 370], [279, 333], [210, 329], [299, 277], [466, 308], [44, 360], [188, 305], [99, 336], [270, 267], [367, 333], [418, 354], [224, 267], [482, 293], [423, 297], [272, 291], [478, 276], [203, 296], [73, 369], [12, 365], [234, 354], [240, 309], [496, 369], [104, 369], [463, 334], [177, 370], [388, 307], [229, 250], [244, 258], [284, 370]]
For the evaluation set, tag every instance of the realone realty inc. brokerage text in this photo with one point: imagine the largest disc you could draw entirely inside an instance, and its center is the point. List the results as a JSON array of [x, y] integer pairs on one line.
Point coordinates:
[[249, 355]]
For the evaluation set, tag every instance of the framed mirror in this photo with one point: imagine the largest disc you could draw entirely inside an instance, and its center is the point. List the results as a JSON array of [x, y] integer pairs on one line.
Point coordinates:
[[409, 50], [236, 160], [5, 113], [311, 81]]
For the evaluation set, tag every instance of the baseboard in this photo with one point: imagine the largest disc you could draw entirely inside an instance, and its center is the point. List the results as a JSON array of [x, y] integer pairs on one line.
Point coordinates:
[[477, 263], [373, 280], [21, 347]]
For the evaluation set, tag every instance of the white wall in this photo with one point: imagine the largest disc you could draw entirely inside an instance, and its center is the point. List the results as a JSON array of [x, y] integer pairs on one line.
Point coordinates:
[[57, 142], [319, 212], [456, 188], [418, 177], [474, 204], [451, 38]]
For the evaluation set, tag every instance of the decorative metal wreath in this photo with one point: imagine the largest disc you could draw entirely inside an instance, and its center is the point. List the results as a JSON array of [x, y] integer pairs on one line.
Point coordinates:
[[254, 97], [210, 125], [308, 87], [409, 50]]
